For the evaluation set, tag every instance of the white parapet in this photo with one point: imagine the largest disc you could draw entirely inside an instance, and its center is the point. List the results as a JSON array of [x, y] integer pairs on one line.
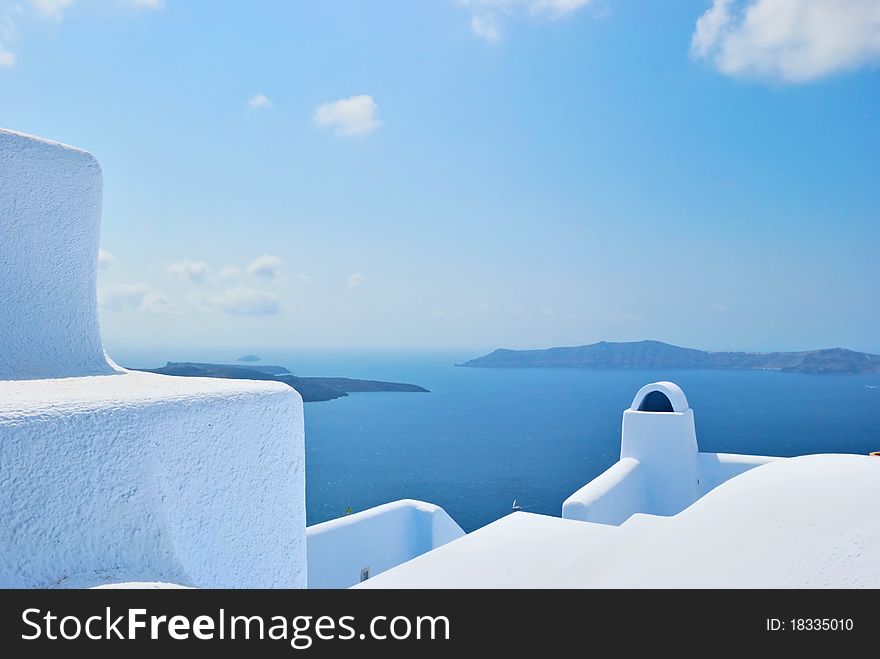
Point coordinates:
[[660, 471], [344, 551], [50, 215], [109, 476], [611, 497]]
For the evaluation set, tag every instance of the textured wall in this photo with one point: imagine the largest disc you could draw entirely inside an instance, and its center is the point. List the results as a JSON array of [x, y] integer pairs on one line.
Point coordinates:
[[143, 477], [50, 216], [379, 538]]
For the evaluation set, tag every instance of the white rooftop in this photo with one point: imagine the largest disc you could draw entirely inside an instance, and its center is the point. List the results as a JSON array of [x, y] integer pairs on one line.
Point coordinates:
[[811, 521]]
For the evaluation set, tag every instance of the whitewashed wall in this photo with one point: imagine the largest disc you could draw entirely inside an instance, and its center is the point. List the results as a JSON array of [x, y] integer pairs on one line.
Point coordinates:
[[378, 538], [50, 215]]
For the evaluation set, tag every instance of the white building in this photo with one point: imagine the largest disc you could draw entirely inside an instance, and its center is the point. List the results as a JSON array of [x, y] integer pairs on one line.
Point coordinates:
[[109, 476]]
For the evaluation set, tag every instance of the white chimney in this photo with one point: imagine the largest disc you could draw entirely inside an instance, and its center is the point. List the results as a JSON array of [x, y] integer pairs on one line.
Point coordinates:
[[658, 431]]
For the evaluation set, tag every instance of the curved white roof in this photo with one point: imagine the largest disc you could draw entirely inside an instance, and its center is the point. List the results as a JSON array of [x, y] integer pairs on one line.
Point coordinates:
[[810, 521], [671, 390]]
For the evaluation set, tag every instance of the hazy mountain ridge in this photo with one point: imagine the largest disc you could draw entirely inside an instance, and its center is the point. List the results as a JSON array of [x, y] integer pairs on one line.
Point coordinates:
[[310, 388], [659, 355]]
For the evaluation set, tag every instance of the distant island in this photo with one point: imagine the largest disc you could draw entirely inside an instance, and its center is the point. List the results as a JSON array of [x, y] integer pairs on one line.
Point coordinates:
[[248, 358], [312, 390], [659, 355]]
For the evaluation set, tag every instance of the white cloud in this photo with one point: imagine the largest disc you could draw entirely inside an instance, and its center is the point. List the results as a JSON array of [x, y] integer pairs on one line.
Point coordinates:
[[709, 28], [788, 40], [230, 272], [133, 296], [105, 259], [241, 301], [192, 270], [267, 266], [486, 15], [486, 27], [156, 303], [260, 102], [117, 298], [557, 7], [349, 117], [53, 9], [7, 58], [22, 12], [355, 280]]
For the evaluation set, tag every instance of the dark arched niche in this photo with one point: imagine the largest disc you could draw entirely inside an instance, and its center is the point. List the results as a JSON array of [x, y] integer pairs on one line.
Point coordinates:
[[655, 401]]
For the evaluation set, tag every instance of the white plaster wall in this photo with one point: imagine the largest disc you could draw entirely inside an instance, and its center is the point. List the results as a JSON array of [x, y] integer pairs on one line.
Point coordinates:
[[50, 214], [379, 538], [143, 477], [666, 445], [610, 498], [716, 468], [622, 490]]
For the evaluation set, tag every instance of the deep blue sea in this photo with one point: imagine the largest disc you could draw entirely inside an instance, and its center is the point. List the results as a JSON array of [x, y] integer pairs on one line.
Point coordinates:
[[484, 437]]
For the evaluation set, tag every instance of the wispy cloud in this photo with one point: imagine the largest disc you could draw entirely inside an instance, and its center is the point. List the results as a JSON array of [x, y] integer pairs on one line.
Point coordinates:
[[133, 296], [240, 301], [192, 270], [260, 102], [14, 13], [355, 280], [349, 117], [267, 266], [156, 303], [486, 27], [53, 9], [229, 272], [7, 58], [791, 41], [487, 15], [105, 259]]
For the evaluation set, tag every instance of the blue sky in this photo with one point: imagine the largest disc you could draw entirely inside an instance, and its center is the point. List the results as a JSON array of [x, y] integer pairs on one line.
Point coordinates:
[[477, 173]]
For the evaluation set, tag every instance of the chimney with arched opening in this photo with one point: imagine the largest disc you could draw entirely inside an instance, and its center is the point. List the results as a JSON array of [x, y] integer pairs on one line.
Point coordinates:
[[658, 430]]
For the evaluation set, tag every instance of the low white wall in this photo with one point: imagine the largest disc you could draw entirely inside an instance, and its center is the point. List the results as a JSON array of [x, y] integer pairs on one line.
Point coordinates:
[[379, 538], [716, 468], [610, 498], [143, 477], [50, 220], [623, 489]]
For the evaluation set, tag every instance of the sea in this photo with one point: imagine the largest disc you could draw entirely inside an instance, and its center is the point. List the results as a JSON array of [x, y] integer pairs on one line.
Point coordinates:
[[483, 438]]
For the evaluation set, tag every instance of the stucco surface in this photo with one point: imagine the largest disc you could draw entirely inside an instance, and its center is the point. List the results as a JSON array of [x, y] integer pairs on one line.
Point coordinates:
[[801, 522], [143, 477], [50, 221]]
